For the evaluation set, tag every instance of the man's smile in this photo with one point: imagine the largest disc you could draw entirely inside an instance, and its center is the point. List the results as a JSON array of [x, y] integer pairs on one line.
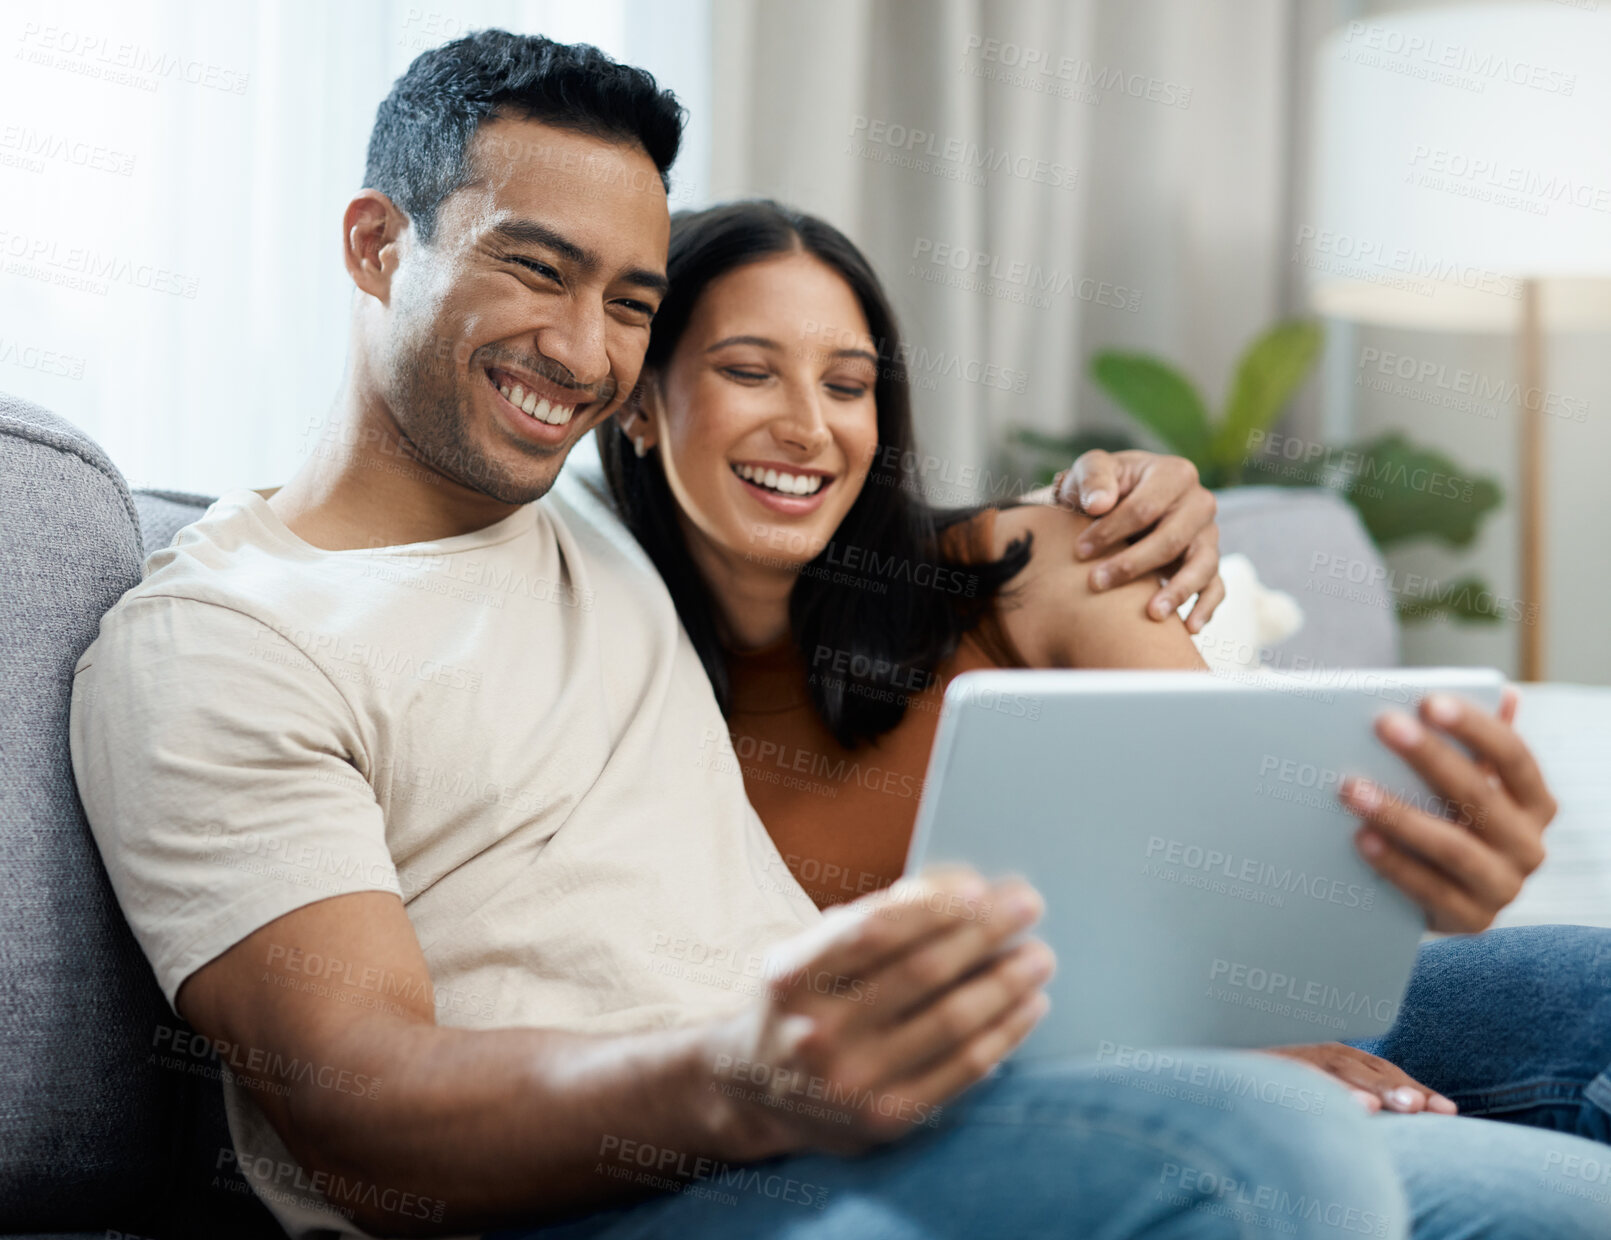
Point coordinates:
[[537, 398]]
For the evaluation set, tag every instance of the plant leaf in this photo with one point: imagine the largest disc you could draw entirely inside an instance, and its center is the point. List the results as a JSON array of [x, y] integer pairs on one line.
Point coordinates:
[[1402, 491], [1042, 455], [1466, 599], [1160, 398], [1071, 445], [1270, 370]]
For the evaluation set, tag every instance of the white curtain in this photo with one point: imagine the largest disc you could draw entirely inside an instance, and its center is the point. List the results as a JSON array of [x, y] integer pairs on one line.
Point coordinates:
[[1136, 189]]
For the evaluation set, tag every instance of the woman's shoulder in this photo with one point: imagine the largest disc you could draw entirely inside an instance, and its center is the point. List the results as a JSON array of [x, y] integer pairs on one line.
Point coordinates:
[[1052, 614], [1047, 594]]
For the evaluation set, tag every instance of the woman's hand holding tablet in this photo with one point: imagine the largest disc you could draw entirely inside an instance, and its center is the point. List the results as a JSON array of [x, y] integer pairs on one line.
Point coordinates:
[[1466, 865]]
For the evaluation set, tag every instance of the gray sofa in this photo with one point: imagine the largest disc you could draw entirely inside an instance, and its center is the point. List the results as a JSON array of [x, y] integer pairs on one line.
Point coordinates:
[[104, 1129]]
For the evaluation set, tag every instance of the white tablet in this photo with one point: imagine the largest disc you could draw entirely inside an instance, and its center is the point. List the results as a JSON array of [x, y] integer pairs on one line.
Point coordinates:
[[1200, 877]]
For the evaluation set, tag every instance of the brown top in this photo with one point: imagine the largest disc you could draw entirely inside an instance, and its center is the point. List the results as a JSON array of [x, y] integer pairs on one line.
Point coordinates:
[[841, 817]]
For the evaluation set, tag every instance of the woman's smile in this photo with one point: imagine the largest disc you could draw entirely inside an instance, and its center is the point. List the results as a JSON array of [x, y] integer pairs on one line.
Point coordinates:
[[782, 488]]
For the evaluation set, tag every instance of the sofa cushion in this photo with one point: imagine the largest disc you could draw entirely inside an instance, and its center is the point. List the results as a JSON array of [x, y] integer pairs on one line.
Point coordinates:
[[162, 514], [1294, 536]]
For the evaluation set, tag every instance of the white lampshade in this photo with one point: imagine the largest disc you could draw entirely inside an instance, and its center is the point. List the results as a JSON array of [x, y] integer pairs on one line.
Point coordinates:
[[1459, 150]]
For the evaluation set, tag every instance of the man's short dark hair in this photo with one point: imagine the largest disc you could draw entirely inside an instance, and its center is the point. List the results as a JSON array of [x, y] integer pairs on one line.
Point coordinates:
[[418, 150]]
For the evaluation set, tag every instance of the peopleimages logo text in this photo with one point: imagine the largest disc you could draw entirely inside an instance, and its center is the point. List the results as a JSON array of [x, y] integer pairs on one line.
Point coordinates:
[[962, 153], [1322, 995], [1284, 878], [1482, 64]]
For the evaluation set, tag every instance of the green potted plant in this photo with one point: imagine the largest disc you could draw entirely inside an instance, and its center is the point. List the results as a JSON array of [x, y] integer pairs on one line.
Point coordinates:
[[1385, 479]]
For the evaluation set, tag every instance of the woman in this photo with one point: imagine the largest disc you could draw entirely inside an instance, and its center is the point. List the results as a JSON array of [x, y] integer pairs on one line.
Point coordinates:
[[767, 469], [830, 605]]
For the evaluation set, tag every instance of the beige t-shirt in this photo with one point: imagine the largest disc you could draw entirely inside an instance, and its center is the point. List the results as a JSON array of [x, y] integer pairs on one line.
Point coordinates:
[[508, 728]]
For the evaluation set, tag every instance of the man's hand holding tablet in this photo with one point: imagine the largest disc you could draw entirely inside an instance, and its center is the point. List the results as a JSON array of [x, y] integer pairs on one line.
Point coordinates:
[[884, 1011]]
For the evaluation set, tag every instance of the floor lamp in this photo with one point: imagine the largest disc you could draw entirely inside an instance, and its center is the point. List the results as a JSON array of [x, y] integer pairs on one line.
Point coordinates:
[[1461, 181]]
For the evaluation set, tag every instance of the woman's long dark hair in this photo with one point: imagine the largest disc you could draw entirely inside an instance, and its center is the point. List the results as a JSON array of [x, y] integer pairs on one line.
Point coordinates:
[[884, 603]]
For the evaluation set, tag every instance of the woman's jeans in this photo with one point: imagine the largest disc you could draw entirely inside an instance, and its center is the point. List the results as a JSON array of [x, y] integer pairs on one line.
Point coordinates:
[[1513, 1025]]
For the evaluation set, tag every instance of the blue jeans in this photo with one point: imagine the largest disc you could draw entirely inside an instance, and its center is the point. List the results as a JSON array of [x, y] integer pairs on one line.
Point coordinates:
[[1513, 1025], [1223, 1144]]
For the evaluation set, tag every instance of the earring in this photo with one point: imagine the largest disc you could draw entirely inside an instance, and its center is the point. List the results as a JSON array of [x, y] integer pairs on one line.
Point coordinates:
[[637, 446]]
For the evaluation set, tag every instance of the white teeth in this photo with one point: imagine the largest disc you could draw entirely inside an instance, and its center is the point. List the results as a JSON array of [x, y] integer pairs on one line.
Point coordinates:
[[535, 406], [554, 415], [783, 483]]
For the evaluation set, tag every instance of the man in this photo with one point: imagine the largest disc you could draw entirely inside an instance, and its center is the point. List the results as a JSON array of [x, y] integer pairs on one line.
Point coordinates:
[[397, 776]]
